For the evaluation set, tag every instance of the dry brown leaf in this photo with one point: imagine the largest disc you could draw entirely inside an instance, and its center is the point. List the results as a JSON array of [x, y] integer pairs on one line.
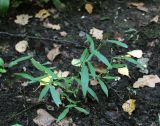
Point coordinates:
[[22, 19], [93, 82], [62, 74], [66, 122], [21, 46], [43, 118], [129, 106], [136, 53], [89, 8], [123, 71], [155, 19], [63, 34], [100, 68], [147, 80], [53, 53], [96, 33], [52, 26], [138, 5], [42, 14]]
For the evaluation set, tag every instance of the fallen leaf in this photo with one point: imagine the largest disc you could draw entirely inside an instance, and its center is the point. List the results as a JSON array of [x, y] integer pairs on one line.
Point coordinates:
[[136, 53], [76, 62], [42, 14], [43, 118], [53, 53], [155, 19], [22, 19], [129, 106], [89, 8], [63, 34], [139, 5], [66, 122], [52, 26], [96, 33], [93, 82], [100, 68], [61, 74], [144, 62], [123, 71], [21, 46], [147, 80]]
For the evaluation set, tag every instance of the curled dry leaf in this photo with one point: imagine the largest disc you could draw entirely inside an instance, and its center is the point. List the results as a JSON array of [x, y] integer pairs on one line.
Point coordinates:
[[22, 19], [93, 82], [89, 8], [100, 68], [129, 106], [43, 118], [63, 34], [136, 53], [42, 14], [21, 46], [53, 53], [147, 80], [123, 71], [52, 26], [139, 5], [96, 33]]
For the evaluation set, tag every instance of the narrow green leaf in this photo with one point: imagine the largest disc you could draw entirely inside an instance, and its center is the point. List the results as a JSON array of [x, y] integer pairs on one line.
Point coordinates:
[[82, 110], [25, 75], [4, 4], [118, 65], [109, 77], [16, 125], [55, 95], [90, 42], [15, 62], [104, 87], [1, 62], [2, 70], [102, 58], [84, 79], [63, 114], [92, 70], [118, 43], [44, 92], [84, 55], [93, 94], [71, 106], [43, 68]]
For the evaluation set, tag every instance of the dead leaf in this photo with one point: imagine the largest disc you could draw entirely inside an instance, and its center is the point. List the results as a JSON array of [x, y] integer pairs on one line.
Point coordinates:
[[93, 82], [129, 106], [43, 118], [53, 53], [139, 5], [21, 46], [147, 80], [96, 33], [52, 26], [155, 19], [61, 74], [22, 19], [63, 34], [66, 122], [89, 8], [136, 53], [42, 14], [100, 68], [123, 71]]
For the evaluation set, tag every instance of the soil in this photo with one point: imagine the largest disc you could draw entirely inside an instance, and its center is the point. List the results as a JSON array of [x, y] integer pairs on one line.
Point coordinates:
[[18, 104]]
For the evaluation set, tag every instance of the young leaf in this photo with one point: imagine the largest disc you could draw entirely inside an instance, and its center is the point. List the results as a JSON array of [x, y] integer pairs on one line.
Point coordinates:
[[90, 42], [93, 94], [104, 87], [102, 58], [92, 70], [63, 114], [15, 62], [82, 110], [84, 55], [55, 95], [1, 62], [84, 79], [118, 43], [44, 92]]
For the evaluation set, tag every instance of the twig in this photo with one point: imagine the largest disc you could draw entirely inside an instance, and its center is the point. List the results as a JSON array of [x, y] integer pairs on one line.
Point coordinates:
[[61, 41]]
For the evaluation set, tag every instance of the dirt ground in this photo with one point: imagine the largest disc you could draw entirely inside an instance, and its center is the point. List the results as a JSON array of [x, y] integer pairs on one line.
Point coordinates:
[[18, 104]]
